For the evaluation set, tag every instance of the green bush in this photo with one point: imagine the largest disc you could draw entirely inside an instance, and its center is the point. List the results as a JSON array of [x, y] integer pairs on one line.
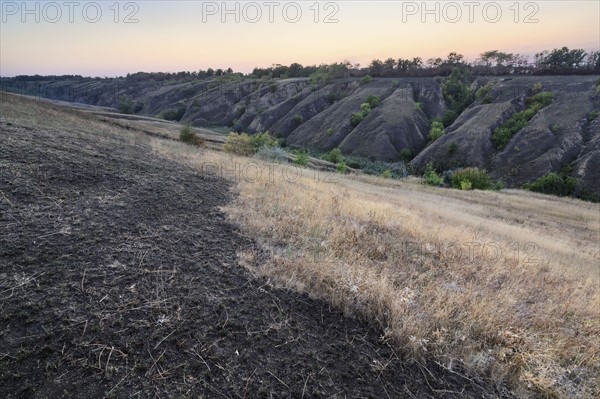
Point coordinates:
[[466, 185], [356, 118], [386, 174], [366, 79], [174, 114], [365, 109], [376, 168], [449, 117], [541, 99], [187, 135], [341, 167], [298, 119], [125, 105], [419, 105], [405, 154], [518, 121], [263, 140], [239, 143], [553, 183], [452, 148], [335, 156], [474, 178], [329, 131], [301, 158], [373, 100], [592, 115], [482, 92], [272, 154], [431, 177], [436, 131]]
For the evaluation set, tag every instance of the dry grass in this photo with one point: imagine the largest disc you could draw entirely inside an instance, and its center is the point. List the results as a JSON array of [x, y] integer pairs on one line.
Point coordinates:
[[502, 285], [422, 263]]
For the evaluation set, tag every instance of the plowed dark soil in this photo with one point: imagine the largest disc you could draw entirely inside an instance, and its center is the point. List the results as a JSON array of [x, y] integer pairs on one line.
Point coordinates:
[[119, 278]]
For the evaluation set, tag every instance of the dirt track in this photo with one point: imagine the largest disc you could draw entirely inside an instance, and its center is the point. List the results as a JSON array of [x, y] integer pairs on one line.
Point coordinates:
[[119, 278]]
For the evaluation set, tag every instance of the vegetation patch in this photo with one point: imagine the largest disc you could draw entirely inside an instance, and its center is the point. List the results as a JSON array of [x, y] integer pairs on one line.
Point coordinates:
[[518, 121], [436, 131], [555, 184], [431, 177], [187, 135], [471, 178], [246, 144], [365, 109], [174, 114]]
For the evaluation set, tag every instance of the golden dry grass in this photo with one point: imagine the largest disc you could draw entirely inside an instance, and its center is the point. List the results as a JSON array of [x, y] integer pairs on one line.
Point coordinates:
[[423, 263], [495, 284]]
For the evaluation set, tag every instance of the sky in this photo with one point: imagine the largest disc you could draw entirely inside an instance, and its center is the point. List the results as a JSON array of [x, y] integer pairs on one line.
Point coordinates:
[[110, 38]]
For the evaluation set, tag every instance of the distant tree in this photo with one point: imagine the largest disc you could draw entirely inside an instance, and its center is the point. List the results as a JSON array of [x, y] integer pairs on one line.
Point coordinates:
[[434, 62], [376, 68], [561, 59], [454, 59], [388, 67], [295, 70], [210, 72]]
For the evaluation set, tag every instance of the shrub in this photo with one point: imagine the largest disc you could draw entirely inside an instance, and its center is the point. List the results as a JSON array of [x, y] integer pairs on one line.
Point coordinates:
[[592, 115], [386, 174], [125, 105], [298, 119], [365, 109], [335, 156], [436, 131], [405, 154], [137, 107], [598, 86], [452, 148], [174, 115], [329, 131], [366, 79], [419, 105], [239, 143], [449, 117], [541, 99], [271, 154], [301, 158], [372, 100], [376, 168], [473, 178], [553, 183], [431, 177], [466, 185], [356, 118], [482, 92], [395, 83], [341, 167], [537, 88], [263, 140], [518, 121], [187, 135]]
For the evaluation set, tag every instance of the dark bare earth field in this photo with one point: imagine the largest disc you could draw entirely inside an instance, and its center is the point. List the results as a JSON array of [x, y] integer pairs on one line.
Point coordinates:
[[119, 278]]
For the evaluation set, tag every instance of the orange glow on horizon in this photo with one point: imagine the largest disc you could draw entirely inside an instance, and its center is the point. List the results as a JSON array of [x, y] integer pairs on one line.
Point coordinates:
[[175, 36]]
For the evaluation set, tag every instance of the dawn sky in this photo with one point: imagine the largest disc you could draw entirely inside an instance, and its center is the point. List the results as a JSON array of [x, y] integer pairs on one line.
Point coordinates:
[[108, 38]]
